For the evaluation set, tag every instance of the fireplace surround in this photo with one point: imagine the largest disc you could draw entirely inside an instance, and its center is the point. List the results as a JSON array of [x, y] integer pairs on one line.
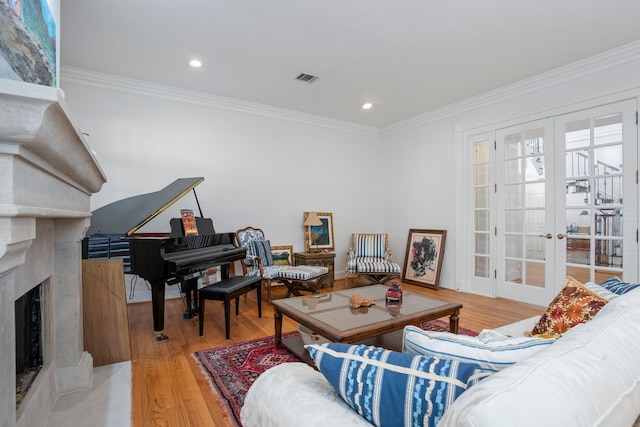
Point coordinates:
[[47, 175]]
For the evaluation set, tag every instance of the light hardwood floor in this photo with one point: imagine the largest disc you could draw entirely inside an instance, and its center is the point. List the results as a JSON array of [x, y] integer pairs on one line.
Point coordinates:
[[170, 390]]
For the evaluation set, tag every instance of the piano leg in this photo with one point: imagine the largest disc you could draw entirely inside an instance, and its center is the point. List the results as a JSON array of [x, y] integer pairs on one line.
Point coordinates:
[[157, 304], [224, 271], [190, 289]]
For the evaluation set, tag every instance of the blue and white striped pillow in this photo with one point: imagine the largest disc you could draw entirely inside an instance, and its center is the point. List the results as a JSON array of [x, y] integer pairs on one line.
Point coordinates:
[[262, 249], [370, 245], [491, 350], [389, 388], [617, 286]]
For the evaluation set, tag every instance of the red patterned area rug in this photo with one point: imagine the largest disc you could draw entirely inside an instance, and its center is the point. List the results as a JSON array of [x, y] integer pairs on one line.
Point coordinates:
[[230, 370]]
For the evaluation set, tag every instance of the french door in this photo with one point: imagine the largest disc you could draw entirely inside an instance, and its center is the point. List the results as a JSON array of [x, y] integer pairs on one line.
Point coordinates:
[[600, 199], [525, 212], [565, 202]]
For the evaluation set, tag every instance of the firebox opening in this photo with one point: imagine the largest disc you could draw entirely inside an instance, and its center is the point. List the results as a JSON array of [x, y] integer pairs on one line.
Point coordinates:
[[28, 340]]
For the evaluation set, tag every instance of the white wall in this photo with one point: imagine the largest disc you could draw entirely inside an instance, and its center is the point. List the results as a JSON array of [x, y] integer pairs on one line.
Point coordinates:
[[266, 171], [258, 170], [421, 167]]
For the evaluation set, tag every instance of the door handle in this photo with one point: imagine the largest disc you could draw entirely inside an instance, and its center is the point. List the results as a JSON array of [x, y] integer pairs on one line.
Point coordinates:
[[548, 235], [561, 236]]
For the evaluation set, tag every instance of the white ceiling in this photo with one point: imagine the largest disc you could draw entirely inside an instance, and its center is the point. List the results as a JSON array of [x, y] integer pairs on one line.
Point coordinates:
[[407, 57]]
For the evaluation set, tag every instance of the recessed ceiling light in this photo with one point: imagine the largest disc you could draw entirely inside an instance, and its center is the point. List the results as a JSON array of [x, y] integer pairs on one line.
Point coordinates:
[[366, 105], [195, 63]]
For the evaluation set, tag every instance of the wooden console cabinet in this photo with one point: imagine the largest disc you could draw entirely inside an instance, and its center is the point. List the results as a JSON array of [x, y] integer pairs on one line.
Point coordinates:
[[321, 259], [105, 316]]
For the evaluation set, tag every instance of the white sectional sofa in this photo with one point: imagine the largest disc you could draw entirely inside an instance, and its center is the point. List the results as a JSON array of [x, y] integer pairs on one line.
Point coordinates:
[[589, 377]]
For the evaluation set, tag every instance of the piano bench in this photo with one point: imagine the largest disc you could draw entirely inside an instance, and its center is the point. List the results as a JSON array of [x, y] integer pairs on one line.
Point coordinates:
[[226, 290]]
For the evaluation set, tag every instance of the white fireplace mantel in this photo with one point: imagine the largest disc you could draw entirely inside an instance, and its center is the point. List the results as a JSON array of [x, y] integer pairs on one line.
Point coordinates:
[[48, 173]]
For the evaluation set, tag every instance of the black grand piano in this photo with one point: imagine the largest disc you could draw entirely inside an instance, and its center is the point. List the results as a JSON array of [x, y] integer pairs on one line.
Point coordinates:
[[160, 258]]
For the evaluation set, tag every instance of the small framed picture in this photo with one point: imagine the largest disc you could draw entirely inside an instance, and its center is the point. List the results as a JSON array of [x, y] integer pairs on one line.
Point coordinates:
[[423, 258], [282, 255], [321, 236]]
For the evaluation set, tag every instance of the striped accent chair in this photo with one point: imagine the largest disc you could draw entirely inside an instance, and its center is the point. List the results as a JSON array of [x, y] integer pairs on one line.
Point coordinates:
[[369, 257], [259, 262]]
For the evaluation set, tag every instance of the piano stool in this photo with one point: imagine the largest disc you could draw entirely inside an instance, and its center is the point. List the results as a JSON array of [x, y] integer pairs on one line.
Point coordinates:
[[226, 290]]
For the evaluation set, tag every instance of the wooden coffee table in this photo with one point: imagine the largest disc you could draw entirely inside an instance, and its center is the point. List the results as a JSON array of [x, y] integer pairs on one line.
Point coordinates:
[[329, 315]]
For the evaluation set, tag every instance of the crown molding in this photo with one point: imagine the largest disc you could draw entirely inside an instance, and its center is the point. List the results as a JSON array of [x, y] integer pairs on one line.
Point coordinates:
[[108, 81], [609, 59]]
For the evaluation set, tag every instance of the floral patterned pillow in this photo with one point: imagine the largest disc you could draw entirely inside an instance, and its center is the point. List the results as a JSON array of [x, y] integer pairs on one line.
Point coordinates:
[[574, 304]]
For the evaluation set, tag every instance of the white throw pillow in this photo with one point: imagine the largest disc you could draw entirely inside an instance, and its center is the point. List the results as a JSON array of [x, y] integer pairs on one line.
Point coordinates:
[[601, 290], [491, 350]]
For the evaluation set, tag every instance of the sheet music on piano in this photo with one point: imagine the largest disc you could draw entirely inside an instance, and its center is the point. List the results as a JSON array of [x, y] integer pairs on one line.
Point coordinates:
[[188, 222]]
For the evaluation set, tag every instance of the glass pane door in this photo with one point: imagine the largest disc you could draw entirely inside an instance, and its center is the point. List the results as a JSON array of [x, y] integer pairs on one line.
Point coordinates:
[[481, 221], [600, 192], [483, 151], [525, 212]]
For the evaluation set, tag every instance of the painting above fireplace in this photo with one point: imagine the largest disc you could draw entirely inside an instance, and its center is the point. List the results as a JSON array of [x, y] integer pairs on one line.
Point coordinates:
[[28, 42]]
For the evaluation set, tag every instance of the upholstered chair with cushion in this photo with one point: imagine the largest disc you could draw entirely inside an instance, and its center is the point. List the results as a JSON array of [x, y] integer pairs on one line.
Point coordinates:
[[369, 257], [259, 262]]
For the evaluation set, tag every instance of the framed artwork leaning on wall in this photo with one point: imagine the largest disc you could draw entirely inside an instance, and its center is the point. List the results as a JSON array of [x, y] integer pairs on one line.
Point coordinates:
[[423, 257], [322, 235], [282, 255]]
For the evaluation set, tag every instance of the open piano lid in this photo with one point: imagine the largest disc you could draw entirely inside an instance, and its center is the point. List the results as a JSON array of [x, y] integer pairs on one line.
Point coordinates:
[[126, 216]]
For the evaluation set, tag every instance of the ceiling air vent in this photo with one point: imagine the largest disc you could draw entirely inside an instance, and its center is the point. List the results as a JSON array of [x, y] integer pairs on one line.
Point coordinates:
[[306, 78]]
